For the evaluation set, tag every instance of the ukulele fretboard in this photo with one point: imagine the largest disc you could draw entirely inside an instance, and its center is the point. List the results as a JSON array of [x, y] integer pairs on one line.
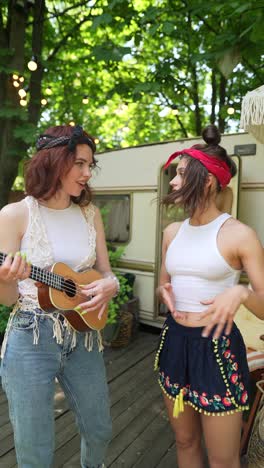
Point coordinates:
[[43, 276]]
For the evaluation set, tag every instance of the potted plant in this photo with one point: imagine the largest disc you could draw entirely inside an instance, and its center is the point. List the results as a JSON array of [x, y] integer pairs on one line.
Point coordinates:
[[113, 323]]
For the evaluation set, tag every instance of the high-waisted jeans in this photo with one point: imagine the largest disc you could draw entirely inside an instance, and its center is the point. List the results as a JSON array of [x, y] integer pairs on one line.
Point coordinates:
[[28, 376]]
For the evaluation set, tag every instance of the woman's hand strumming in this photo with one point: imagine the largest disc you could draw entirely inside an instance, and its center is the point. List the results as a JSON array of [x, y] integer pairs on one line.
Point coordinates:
[[98, 293]]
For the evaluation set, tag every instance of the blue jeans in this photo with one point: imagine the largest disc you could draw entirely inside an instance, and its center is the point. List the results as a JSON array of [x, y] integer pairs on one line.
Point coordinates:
[[28, 377]]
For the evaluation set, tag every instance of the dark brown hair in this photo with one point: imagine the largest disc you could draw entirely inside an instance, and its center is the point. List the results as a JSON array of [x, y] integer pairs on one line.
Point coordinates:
[[44, 171], [192, 194]]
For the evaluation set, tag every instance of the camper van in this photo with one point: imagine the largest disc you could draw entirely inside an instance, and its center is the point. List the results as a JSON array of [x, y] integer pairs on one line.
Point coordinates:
[[130, 183]]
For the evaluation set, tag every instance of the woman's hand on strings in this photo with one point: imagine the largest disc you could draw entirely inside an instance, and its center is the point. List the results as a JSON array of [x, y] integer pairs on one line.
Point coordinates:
[[222, 309], [98, 294]]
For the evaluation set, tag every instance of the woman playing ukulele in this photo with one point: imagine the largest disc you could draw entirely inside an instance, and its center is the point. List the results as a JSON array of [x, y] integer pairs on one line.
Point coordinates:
[[56, 222]]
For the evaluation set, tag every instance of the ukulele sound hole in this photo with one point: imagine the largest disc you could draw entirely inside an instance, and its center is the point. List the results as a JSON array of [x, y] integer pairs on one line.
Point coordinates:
[[69, 287]]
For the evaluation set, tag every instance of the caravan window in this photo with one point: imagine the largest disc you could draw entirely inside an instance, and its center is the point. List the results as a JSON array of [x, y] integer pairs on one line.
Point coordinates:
[[115, 210]]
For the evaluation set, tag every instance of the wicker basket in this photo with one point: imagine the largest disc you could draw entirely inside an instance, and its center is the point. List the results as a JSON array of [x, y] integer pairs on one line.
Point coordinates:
[[125, 331]]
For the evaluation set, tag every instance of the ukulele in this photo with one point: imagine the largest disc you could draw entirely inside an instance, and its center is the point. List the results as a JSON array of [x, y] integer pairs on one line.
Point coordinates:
[[59, 291]]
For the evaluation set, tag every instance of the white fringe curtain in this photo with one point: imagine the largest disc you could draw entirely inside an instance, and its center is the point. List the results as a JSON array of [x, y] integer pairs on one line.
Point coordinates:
[[252, 113]]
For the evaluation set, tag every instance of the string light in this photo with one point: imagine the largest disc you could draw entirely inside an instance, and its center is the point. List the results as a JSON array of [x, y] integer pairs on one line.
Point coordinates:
[[230, 110], [72, 124], [48, 91], [44, 101], [21, 79], [32, 64], [22, 93], [96, 140], [23, 102], [85, 100], [175, 112], [15, 77], [16, 84]]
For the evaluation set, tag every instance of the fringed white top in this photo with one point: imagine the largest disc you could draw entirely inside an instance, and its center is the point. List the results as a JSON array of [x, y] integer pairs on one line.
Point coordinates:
[[66, 236]]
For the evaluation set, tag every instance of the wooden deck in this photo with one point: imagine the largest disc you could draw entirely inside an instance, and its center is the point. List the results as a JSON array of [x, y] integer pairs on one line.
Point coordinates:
[[142, 437]]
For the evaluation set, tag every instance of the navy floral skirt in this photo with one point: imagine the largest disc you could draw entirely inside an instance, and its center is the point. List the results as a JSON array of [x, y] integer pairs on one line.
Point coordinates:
[[210, 375]]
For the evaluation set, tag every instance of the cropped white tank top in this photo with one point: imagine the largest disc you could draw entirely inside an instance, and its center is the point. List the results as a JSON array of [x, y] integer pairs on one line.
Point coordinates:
[[197, 269], [56, 236]]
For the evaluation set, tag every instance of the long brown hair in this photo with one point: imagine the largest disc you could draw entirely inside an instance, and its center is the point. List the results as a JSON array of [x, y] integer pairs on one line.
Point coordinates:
[[192, 193], [44, 171]]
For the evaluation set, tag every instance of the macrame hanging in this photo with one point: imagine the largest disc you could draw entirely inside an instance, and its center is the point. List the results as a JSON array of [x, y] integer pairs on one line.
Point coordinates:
[[252, 113]]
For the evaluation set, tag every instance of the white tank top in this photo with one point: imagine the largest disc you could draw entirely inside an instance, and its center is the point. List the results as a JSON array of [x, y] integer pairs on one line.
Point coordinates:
[[67, 233], [197, 269]]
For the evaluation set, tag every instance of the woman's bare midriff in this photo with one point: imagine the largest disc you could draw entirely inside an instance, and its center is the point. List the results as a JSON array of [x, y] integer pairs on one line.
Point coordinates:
[[191, 319]]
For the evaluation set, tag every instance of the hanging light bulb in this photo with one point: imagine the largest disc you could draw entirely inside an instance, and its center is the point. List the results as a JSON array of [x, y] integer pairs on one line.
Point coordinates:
[[85, 100], [32, 64], [48, 91], [44, 101], [230, 110], [22, 93], [16, 84], [23, 102]]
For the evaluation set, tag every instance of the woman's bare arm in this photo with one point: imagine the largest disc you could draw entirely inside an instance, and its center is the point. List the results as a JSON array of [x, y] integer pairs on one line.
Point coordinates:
[[102, 263], [164, 290], [104, 289], [13, 221], [251, 254]]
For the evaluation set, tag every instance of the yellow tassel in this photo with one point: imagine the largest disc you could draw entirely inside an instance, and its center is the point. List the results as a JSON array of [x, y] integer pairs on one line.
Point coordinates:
[[178, 405]]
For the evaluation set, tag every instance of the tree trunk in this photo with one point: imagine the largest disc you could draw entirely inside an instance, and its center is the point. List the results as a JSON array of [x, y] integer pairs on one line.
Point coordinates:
[[9, 149], [213, 98], [195, 94], [36, 77], [222, 97], [13, 149]]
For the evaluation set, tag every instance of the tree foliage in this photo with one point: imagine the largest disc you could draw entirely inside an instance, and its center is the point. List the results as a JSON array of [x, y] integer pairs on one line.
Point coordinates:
[[150, 70]]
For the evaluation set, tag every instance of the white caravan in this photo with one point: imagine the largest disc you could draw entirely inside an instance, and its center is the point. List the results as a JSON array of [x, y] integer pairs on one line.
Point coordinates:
[[130, 183]]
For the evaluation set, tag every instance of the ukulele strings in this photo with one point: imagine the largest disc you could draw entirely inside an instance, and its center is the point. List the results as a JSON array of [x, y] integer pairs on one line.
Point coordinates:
[[74, 289], [67, 288]]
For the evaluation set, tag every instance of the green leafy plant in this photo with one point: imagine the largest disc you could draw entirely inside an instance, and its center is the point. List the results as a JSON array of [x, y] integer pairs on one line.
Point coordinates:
[[4, 316], [115, 253], [114, 308]]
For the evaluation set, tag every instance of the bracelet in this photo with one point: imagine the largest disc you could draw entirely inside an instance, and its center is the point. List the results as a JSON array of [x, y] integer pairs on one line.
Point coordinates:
[[114, 277]]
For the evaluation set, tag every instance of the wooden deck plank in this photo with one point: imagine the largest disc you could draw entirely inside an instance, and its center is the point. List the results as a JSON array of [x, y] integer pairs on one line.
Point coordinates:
[[142, 451], [169, 460], [126, 381], [123, 363], [131, 423]]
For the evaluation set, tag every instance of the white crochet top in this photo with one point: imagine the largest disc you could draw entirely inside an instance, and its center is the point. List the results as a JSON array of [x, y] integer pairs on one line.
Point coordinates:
[[39, 250]]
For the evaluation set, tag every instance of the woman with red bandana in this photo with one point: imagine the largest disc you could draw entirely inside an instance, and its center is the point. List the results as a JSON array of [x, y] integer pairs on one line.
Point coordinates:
[[201, 358]]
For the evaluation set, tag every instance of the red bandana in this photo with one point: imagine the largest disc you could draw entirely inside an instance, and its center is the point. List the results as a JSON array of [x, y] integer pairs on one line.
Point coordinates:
[[217, 167]]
